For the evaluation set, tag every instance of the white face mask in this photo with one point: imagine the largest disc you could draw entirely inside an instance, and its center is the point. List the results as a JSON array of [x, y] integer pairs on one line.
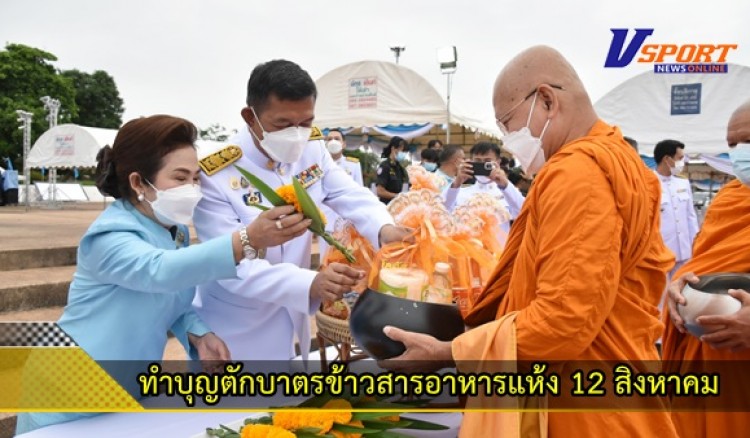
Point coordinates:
[[525, 147], [740, 157], [284, 146], [678, 167], [334, 146], [482, 179], [175, 206]]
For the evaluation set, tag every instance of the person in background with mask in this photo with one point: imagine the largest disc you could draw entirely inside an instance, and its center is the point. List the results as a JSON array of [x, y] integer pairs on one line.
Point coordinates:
[[450, 160], [135, 276], [429, 159], [679, 223], [496, 184], [391, 175], [584, 267], [721, 246], [259, 313], [336, 143]]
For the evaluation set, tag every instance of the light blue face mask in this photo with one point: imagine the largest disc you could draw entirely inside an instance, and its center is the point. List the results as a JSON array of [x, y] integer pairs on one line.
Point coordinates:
[[431, 167], [402, 156], [740, 157]]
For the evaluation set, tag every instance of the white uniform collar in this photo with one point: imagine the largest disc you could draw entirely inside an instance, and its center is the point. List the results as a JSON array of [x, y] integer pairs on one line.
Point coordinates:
[[662, 177]]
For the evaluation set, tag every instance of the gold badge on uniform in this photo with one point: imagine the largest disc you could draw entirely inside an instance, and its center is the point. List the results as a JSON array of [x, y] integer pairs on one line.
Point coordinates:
[[310, 175], [316, 134], [221, 159], [234, 183]]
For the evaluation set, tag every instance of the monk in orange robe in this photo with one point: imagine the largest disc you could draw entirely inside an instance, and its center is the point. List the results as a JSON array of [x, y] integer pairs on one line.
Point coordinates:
[[722, 245], [584, 267]]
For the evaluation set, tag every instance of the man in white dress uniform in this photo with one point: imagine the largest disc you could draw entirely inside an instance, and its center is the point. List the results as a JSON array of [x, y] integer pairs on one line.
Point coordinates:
[[259, 313], [336, 143], [679, 223]]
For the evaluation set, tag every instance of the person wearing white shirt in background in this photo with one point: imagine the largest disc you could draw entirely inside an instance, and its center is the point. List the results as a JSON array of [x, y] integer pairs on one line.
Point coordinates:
[[454, 169], [496, 184], [679, 223], [336, 143], [259, 313]]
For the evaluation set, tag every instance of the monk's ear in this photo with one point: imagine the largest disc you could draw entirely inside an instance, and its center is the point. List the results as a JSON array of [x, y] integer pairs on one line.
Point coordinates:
[[550, 100]]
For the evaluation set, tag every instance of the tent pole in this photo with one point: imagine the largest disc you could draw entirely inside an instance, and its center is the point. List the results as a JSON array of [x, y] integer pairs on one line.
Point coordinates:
[[448, 102]]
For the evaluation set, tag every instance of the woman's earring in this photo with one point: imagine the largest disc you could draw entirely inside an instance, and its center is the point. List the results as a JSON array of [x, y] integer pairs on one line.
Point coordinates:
[[141, 197]]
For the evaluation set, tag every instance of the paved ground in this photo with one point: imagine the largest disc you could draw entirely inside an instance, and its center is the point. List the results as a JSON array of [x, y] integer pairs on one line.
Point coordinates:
[[45, 228]]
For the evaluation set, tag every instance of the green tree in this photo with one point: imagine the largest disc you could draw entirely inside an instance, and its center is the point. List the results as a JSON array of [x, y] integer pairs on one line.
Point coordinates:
[[26, 74], [368, 162], [215, 132], [99, 102]]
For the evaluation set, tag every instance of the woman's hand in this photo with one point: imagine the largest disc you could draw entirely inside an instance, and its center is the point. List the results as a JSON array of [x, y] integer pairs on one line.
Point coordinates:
[[276, 226]]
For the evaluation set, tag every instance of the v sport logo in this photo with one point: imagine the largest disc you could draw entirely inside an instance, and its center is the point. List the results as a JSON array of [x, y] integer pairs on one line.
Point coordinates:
[[667, 58]]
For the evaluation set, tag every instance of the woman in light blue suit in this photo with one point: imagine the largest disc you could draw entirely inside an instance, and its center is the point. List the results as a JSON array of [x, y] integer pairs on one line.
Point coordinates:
[[131, 284]]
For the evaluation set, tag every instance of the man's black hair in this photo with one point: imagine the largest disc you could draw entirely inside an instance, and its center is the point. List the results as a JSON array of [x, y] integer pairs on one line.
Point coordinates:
[[666, 148], [284, 79]]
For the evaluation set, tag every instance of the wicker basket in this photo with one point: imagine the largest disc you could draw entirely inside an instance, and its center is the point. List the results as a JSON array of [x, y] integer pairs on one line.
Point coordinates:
[[333, 329]]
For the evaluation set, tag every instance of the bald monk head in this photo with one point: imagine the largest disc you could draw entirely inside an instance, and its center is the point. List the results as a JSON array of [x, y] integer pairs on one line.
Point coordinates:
[[561, 101], [738, 128]]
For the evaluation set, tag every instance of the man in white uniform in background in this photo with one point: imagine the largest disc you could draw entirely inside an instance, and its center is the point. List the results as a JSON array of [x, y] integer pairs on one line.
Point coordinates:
[[336, 143], [259, 313], [679, 223], [496, 184]]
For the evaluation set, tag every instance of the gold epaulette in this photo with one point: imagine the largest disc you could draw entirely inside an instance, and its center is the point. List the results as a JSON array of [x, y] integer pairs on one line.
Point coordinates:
[[316, 134], [220, 159], [352, 159]]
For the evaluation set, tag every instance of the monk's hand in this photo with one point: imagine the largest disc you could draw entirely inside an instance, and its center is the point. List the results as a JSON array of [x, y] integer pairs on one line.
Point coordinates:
[[424, 353], [674, 297], [729, 332], [212, 351], [392, 233]]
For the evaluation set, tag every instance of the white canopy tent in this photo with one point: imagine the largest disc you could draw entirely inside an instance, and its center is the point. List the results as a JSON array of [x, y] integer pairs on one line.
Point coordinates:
[[70, 145], [66, 146], [691, 108], [376, 94]]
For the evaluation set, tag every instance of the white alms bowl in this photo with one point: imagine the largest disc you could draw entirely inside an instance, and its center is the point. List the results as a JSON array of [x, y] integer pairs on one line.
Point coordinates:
[[710, 296]]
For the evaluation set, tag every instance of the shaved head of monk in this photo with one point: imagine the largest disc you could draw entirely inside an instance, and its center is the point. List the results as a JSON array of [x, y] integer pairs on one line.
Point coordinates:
[[561, 100], [738, 128]]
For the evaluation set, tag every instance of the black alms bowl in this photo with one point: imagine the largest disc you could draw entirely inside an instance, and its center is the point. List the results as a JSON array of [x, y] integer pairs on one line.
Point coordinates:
[[375, 310]]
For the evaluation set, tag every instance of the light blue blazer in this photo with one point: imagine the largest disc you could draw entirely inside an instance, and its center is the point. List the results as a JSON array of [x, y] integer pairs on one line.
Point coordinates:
[[131, 286]]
